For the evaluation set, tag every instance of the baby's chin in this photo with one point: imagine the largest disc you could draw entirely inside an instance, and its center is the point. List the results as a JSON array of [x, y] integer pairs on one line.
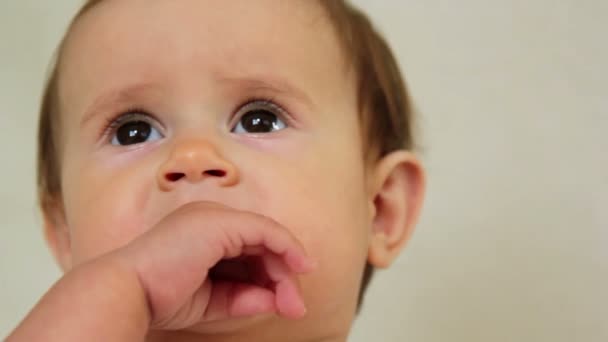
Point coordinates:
[[226, 327]]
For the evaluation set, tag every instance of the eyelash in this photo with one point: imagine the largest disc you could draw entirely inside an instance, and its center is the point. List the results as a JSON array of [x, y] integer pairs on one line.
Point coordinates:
[[267, 103], [114, 122]]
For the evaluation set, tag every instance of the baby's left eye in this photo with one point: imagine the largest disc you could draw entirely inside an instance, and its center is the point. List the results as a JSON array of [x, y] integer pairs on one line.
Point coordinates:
[[259, 118]]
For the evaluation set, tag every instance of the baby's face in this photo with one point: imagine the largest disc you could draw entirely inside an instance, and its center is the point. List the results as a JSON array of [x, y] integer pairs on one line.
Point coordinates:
[[254, 95]]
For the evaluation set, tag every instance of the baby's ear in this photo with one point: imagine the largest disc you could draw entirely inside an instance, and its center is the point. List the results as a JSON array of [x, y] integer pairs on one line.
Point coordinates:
[[396, 194], [56, 233]]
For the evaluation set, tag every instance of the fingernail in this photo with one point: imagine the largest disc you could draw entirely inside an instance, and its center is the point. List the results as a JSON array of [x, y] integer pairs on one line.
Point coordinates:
[[301, 309], [312, 264], [307, 265]]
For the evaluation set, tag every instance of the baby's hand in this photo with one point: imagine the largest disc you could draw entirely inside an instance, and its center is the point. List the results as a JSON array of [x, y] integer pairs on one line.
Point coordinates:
[[175, 260]]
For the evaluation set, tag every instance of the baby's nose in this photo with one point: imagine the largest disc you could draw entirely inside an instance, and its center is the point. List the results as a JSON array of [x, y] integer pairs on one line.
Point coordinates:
[[195, 161]]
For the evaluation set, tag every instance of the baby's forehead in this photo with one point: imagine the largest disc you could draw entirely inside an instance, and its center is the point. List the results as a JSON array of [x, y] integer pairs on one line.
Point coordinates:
[[121, 43]]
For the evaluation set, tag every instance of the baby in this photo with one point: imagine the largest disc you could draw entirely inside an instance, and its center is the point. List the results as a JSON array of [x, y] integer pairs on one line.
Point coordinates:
[[220, 171]]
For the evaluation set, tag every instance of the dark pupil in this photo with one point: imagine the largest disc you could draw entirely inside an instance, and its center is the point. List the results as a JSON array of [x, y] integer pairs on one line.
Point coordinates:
[[133, 133], [259, 121]]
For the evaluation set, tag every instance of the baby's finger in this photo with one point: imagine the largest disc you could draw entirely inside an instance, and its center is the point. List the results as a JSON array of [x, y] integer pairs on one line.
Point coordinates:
[[232, 300], [279, 294], [268, 234], [254, 250], [287, 295]]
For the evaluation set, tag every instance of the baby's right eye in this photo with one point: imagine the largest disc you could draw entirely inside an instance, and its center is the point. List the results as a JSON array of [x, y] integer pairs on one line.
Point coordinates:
[[132, 129]]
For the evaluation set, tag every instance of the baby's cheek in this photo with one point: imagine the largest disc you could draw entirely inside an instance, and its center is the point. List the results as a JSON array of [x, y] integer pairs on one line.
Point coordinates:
[[341, 261], [342, 248], [336, 237], [105, 214]]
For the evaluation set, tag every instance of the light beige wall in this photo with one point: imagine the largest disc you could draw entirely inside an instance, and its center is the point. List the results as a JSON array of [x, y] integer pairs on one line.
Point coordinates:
[[513, 97]]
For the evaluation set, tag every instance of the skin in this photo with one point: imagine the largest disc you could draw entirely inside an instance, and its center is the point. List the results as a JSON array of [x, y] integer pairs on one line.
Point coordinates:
[[125, 222]]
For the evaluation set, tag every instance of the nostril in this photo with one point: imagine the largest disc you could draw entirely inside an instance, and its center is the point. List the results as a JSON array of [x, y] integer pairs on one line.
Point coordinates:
[[215, 173], [174, 176]]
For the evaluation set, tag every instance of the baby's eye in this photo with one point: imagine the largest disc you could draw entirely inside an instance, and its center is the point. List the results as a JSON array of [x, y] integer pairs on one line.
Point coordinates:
[[259, 117], [134, 129]]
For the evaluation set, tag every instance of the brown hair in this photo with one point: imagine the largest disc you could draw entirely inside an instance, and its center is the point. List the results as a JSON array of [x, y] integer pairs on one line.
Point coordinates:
[[384, 107]]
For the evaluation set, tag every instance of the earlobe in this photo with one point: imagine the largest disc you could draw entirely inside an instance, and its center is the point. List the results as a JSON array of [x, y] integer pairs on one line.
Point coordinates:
[[397, 194], [57, 234]]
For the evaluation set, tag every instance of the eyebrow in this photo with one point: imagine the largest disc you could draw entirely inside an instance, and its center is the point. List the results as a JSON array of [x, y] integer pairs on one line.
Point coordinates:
[[274, 85], [129, 94], [110, 99]]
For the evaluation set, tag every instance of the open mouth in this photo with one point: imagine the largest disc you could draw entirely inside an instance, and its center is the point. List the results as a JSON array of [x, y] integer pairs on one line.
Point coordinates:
[[242, 269]]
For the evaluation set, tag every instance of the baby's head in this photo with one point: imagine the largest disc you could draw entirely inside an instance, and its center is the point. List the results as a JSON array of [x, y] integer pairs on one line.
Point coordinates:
[[292, 109]]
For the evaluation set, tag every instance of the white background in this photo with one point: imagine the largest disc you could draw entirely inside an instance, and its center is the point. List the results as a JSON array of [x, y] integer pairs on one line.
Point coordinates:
[[513, 104]]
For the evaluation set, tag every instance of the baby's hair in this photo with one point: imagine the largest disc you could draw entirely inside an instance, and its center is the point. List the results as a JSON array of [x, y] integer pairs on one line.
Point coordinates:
[[383, 103]]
